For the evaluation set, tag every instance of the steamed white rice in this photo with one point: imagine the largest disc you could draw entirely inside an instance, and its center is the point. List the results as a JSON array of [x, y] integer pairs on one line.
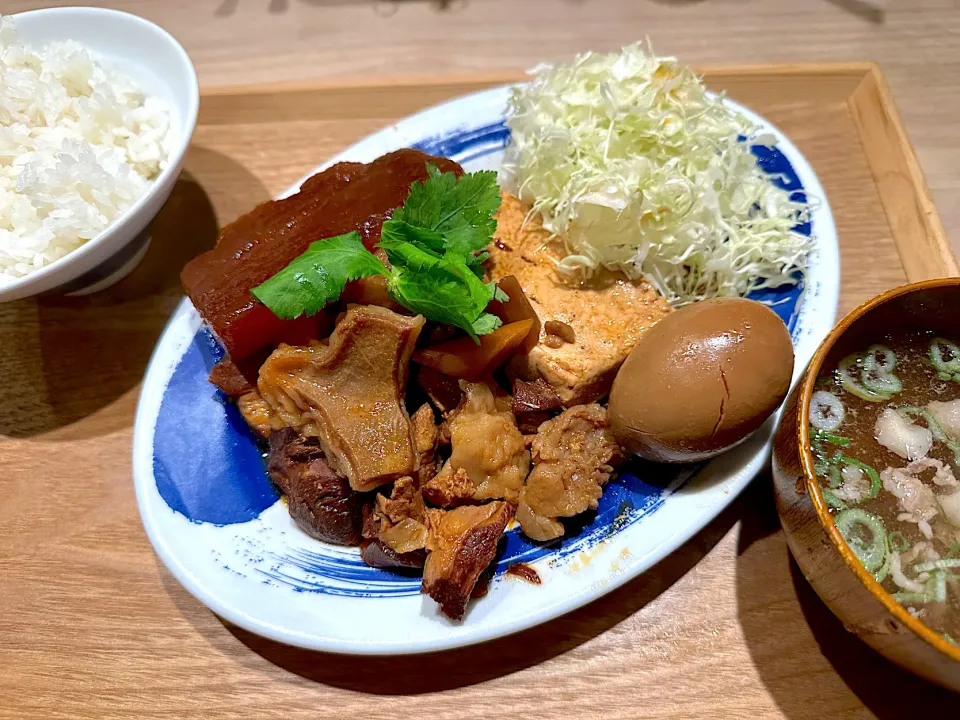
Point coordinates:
[[79, 143]]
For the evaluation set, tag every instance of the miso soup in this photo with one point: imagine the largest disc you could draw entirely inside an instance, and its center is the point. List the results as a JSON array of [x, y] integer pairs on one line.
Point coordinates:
[[885, 437]]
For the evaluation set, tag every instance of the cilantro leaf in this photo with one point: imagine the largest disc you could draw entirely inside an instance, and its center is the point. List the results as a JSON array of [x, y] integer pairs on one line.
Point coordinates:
[[486, 323], [318, 276], [436, 247], [396, 230], [460, 209], [440, 287], [498, 294]]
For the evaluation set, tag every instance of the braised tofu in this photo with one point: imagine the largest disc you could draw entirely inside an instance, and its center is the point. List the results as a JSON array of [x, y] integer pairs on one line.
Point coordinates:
[[604, 316]]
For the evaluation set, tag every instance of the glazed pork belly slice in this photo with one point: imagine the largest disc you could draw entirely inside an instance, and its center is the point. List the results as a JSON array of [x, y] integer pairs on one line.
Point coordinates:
[[605, 316], [343, 198], [321, 502], [574, 456], [461, 544], [349, 392]]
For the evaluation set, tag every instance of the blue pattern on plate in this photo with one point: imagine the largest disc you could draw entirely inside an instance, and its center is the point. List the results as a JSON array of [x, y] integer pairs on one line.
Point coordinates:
[[206, 462], [210, 469]]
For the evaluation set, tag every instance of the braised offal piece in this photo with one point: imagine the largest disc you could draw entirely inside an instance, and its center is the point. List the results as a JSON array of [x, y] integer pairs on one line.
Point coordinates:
[[537, 396], [488, 451], [400, 520], [574, 456], [256, 246], [259, 415], [376, 553], [321, 502], [350, 393], [461, 544]]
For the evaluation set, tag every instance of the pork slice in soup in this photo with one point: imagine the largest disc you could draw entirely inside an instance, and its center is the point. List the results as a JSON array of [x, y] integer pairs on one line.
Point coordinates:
[[885, 437]]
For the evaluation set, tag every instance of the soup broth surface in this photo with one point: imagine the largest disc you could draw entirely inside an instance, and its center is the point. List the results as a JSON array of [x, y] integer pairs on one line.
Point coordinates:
[[885, 436]]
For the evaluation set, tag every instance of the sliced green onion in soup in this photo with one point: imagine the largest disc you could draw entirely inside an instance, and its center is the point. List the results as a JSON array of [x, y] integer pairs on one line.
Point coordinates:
[[824, 466], [876, 372], [903, 597], [880, 357], [832, 500], [954, 550], [945, 357], [826, 412], [898, 543], [946, 564], [939, 581], [836, 493], [880, 382], [881, 574], [849, 369], [875, 482], [866, 536]]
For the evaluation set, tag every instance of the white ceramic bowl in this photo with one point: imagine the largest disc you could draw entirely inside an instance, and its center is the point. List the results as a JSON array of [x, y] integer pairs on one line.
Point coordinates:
[[158, 63]]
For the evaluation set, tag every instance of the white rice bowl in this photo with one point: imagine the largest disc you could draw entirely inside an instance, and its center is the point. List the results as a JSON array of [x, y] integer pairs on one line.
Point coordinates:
[[79, 144]]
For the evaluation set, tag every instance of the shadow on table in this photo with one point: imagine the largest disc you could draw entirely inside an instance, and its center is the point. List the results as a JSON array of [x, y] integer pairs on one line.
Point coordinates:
[[801, 651], [436, 672], [66, 358]]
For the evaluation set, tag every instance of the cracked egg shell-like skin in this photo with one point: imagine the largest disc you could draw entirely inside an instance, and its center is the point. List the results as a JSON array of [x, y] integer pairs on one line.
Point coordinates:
[[701, 380]]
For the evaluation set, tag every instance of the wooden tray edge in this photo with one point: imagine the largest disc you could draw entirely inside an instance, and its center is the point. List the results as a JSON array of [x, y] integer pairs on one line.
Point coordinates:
[[501, 77], [917, 231]]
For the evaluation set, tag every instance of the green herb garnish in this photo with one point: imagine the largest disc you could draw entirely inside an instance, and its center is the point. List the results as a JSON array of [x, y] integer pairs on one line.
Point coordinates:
[[435, 244], [316, 278]]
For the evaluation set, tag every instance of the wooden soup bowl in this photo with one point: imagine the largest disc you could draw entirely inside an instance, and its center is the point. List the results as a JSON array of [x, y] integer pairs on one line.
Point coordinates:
[[824, 557]]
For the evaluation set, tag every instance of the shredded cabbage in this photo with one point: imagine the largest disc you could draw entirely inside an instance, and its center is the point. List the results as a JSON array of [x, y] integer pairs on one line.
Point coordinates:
[[637, 167]]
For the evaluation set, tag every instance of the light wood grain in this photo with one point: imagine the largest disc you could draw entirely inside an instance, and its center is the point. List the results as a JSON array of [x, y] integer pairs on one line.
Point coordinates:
[[92, 626], [925, 251]]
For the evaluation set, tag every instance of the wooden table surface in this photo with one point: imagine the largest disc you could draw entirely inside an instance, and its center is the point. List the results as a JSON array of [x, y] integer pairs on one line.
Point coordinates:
[[726, 627]]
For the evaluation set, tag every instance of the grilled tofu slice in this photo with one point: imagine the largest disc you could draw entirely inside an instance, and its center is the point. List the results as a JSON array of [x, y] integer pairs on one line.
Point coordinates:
[[607, 314]]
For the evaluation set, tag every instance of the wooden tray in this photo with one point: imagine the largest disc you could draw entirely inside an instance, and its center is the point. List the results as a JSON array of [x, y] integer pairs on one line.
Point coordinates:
[[92, 626]]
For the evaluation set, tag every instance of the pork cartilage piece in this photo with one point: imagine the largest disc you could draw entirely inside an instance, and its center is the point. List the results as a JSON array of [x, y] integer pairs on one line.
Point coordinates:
[[486, 446], [574, 456], [604, 315], [343, 198], [349, 393], [461, 544], [321, 502]]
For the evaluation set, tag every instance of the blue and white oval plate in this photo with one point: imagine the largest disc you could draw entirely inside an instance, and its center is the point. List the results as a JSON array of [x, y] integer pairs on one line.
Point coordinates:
[[220, 527]]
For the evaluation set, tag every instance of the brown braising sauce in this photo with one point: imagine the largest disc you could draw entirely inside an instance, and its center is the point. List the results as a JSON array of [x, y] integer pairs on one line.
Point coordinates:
[[524, 572]]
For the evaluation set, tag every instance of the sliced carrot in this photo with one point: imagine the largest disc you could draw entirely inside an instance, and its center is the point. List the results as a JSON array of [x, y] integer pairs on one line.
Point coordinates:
[[463, 358], [517, 308]]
